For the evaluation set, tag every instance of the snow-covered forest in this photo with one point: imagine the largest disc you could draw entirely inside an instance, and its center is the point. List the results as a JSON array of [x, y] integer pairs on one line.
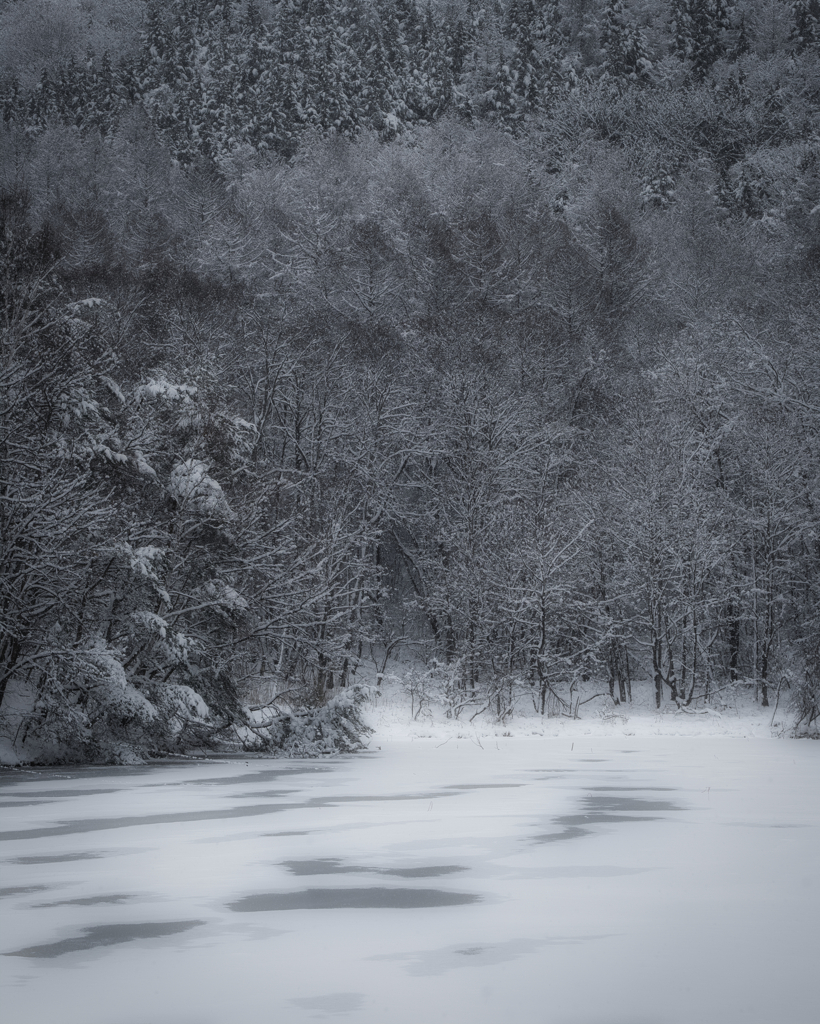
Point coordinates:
[[342, 335]]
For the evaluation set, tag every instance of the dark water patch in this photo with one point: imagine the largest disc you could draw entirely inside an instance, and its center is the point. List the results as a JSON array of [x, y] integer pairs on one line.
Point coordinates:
[[488, 785], [631, 789], [572, 832], [333, 866], [602, 818], [18, 890], [335, 801], [324, 801], [607, 810], [268, 794], [87, 901], [239, 837], [372, 898], [21, 801], [434, 871], [321, 866], [623, 804], [47, 795], [106, 935], [56, 858], [471, 951], [100, 824], [263, 775], [332, 801], [11, 777]]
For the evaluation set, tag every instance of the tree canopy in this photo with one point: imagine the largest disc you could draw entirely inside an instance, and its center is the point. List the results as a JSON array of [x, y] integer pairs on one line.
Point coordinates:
[[335, 330]]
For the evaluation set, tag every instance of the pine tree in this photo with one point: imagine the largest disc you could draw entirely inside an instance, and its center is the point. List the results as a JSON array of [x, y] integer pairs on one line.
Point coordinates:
[[431, 78], [526, 63], [502, 98], [743, 42], [255, 57], [331, 85], [625, 55], [287, 79], [805, 19], [42, 102], [552, 48], [462, 58], [159, 63], [383, 99], [323, 56], [351, 57], [104, 98], [699, 27], [10, 100], [538, 51], [70, 92], [461, 42]]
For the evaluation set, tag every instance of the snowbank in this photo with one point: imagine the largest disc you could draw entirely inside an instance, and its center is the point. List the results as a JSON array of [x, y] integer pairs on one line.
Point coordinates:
[[388, 713]]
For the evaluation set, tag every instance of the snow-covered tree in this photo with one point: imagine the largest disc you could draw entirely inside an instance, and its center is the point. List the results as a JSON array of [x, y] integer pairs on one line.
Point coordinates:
[[699, 31], [626, 58], [805, 23]]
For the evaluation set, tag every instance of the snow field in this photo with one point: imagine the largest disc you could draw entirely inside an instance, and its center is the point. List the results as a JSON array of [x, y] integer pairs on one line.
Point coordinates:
[[637, 880]]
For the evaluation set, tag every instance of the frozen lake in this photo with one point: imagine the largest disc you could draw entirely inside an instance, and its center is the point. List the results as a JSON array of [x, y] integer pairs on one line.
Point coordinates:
[[557, 881]]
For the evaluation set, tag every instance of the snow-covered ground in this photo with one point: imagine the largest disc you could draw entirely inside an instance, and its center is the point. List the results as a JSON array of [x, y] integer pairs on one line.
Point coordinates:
[[588, 872], [736, 714]]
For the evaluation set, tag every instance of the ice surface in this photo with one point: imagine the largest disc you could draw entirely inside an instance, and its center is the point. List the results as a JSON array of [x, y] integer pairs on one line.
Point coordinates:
[[420, 883]]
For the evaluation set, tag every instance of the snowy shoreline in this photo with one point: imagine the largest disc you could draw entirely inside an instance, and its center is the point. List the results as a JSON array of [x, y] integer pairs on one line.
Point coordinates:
[[392, 724], [389, 714]]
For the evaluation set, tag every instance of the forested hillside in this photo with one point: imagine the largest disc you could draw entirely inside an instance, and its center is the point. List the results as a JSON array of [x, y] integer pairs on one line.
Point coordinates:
[[483, 336]]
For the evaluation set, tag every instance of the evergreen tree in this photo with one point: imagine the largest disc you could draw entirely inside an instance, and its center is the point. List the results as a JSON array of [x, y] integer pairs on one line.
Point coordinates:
[[70, 92], [463, 59], [383, 89], [107, 97], [431, 76], [287, 78], [324, 61], [538, 51], [351, 57], [625, 55], [256, 81], [42, 102], [743, 42], [461, 42], [525, 17], [699, 27], [331, 85], [10, 100], [159, 63], [805, 23], [552, 49], [502, 98]]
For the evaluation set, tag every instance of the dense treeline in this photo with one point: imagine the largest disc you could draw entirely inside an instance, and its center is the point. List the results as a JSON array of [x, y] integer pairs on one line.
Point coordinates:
[[527, 388], [216, 77]]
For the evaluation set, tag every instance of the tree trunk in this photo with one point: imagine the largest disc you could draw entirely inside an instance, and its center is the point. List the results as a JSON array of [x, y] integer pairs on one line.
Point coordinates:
[[628, 676], [656, 664], [764, 678], [734, 640]]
